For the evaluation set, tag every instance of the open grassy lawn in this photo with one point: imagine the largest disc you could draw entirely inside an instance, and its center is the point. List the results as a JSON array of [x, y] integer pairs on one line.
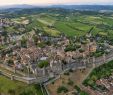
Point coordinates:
[[8, 87]]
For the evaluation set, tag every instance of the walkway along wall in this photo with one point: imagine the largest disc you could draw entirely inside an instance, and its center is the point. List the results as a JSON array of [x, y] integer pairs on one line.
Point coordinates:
[[95, 61], [18, 78]]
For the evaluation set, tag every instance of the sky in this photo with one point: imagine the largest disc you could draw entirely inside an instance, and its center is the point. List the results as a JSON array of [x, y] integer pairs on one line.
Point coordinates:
[[55, 2]]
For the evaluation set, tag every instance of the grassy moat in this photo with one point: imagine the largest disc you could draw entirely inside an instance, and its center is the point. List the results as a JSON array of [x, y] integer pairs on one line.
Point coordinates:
[[8, 87]]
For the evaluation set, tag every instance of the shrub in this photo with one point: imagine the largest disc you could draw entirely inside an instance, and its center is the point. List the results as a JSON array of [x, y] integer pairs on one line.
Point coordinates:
[[77, 88], [62, 89], [43, 63], [70, 82], [66, 73], [81, 50], [83, 93], [70, 70]]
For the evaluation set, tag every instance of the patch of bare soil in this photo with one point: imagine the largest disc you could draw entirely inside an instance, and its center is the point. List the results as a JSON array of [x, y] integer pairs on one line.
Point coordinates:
[[76, 76]]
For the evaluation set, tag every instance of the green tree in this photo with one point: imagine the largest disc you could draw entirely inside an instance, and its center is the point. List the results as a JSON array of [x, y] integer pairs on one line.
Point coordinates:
[[62, 89], [24, 42], [43, 64], [11, 92]]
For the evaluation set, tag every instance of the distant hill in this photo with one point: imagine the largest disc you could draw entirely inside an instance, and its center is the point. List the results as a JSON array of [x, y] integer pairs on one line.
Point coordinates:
[[85, 7], [72, 7], [24, 6], [29, 9]]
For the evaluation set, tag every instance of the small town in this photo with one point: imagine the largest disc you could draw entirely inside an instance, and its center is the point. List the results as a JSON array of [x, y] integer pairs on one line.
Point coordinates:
[[41, 55], [31, 57]]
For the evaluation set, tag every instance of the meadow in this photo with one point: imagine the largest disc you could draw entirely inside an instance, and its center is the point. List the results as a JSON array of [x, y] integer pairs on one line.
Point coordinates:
[[9, 87], [70, 24]]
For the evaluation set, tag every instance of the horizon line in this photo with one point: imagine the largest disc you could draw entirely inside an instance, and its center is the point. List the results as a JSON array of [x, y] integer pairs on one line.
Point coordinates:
[[53, 4]]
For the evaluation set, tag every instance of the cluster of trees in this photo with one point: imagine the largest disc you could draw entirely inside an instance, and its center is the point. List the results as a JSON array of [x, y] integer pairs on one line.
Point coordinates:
[[24, 42], [70, 48], [62, 89], [74, 48], [98, 53], [10, 62], [43, 63], [79, 91], [76, 43], [103, 71], [2, 47]]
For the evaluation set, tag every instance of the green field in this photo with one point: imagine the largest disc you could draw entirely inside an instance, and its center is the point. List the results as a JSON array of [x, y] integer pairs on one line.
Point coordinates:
[[8, 87], [52, 32], [70, 25]]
